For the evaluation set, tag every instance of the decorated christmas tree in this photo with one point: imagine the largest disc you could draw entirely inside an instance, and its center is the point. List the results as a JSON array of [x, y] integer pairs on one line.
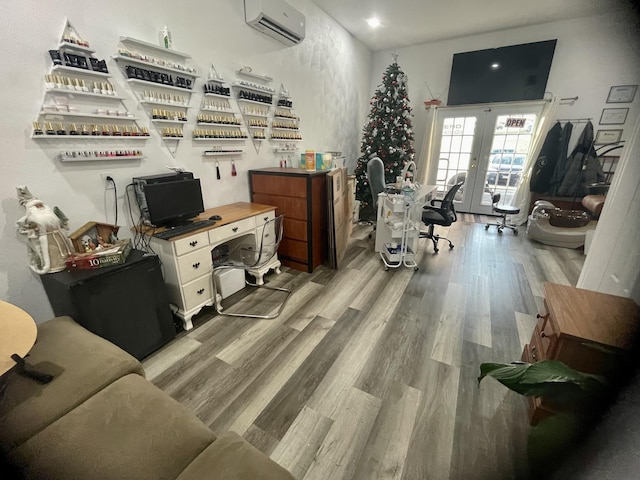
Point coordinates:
[[387, 134]]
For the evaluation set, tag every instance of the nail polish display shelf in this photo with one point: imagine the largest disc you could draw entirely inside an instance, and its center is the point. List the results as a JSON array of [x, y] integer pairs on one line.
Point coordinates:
[[86, 94], [219, 139], [284, 129], [285, 139], [165, 104], [217, 95], [285, 150], [246, 114], [151, 46], [74, 70], [135, 81], [74, 46], [163, 120], [222, 110], [254, 87], [248, 73], [246, 100], [86, 115], [153, 66], [89, 137], [257, 127], [93, 158]]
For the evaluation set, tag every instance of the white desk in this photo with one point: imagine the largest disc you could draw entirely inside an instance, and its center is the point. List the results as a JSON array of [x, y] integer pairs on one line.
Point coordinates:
[[187, 258], [399, 221]]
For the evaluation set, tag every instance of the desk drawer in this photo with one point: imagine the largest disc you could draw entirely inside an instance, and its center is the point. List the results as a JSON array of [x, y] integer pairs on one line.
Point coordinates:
[[194, 265], [191, 244], [284, 185], [197, 292], [225, 232]]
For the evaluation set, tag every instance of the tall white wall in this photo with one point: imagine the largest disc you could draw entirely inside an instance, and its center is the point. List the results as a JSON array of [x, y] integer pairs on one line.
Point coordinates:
[[327, 75]]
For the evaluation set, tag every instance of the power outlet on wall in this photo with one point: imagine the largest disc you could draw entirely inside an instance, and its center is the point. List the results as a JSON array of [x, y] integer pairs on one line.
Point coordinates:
[[107, 180]]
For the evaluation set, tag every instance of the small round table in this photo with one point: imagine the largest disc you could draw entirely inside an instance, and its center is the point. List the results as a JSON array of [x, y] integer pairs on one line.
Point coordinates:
[[18, 333]]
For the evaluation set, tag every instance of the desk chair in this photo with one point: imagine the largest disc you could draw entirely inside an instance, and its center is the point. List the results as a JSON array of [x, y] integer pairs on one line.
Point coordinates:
[[375, 176], [444, 216], [248, 257], [503, 211]]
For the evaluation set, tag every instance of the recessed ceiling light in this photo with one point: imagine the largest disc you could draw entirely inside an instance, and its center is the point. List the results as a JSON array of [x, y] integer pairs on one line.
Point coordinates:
[[373, 22], [495, 66]]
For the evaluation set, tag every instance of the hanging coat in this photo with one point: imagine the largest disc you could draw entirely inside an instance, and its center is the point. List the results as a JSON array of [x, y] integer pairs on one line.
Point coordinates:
[[583, 167], [561, 164], [546, 162]]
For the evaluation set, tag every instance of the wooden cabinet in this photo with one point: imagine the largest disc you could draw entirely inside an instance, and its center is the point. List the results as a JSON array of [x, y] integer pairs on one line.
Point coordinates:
[[300, 196], [588, 331]]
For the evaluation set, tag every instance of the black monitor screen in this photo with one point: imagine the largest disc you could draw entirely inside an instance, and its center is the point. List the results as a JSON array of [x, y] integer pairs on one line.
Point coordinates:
[[172, 203], [506, 74]]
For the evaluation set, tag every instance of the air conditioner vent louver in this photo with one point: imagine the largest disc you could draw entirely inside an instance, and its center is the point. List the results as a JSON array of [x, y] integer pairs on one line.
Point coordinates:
[[277, 19]]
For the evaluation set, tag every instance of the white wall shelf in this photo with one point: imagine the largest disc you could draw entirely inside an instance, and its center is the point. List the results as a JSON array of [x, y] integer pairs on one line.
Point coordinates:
[[166, 120], [74, 70], [222, 154], [217, 95], [219, 139], [85, 94], [73, 46], [151, 46], [119, 158], [164, 104], [90, 137], [246, 73], [254, 87], [222, 110], [153, 66], [246, 100], [286, 129], [144, 83], [86, 115]]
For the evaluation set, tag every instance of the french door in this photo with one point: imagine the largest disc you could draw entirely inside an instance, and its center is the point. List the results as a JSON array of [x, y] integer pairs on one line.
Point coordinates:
[[487, 147]]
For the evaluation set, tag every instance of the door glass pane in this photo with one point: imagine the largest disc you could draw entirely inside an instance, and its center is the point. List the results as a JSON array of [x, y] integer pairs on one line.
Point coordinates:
[[509, 149], [455, 151]]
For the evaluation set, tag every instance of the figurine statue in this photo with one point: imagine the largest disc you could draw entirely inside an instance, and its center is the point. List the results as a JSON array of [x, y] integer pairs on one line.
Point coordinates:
[[47, 245]]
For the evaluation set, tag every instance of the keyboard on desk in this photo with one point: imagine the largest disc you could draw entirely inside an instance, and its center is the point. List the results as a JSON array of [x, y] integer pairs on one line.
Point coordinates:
[[182, 229]]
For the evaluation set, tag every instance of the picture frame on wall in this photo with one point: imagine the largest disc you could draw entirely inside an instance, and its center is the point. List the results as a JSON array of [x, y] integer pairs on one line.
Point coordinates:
[[613, 116], [622, 93], [604, 137]]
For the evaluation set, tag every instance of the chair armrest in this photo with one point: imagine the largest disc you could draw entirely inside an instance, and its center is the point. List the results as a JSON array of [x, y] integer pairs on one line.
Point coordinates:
[[433, 202]]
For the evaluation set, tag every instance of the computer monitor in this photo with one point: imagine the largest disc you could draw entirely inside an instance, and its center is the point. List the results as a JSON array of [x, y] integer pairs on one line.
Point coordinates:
[[173, 203]]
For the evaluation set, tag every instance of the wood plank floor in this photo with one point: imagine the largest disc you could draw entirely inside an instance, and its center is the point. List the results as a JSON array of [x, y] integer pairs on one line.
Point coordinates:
[[372, 374]]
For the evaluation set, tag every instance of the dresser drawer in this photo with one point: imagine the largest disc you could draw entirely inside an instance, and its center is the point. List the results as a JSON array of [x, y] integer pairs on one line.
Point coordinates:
[[226, 232], [197, 292], [284, 185], [294, 249], [194, 265], [295, 229], [191, 243], [290, 207]]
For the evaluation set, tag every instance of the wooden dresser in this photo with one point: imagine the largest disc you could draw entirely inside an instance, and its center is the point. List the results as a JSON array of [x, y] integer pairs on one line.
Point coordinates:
[[588, 331], [300, 196]]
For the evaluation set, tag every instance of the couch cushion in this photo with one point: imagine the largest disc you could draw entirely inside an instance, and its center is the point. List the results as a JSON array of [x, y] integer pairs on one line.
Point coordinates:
[[82, 364], [128, 430], [231, 457]]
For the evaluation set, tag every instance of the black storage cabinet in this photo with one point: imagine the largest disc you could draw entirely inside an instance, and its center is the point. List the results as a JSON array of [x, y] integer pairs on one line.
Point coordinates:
[[126, 304]]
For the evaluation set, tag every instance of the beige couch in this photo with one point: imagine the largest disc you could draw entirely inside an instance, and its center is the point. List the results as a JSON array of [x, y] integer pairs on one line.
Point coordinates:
[[100, 419]]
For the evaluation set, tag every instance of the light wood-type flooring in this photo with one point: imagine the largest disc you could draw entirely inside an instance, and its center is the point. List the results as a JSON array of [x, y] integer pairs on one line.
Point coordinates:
[[372, 374]]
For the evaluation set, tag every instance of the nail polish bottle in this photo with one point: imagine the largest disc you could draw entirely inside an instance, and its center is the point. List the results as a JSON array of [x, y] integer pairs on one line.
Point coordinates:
[[84, 130], [83, 85], [233, 168], [145, 132], [49, 129], [77, 85], [95, 130], [36, 129], [116, 131], [105, 131], [135, 131], [73, 130], [60, 130], [55, 57], [126, 132]]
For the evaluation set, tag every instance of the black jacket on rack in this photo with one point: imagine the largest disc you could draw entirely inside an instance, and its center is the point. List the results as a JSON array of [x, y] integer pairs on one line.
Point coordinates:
[[583, 167], [561, 164], [546, 161]]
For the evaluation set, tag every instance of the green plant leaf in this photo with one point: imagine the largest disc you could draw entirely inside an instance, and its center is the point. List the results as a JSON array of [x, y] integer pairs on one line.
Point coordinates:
[[549, 378]]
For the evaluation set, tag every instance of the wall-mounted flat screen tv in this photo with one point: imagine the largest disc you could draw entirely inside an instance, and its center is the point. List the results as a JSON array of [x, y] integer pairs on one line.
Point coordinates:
[[505, 74]]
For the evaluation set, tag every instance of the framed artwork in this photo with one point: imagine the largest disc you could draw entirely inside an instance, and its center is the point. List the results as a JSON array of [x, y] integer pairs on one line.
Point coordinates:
[[613, 116], [604, 137], [622, 93]]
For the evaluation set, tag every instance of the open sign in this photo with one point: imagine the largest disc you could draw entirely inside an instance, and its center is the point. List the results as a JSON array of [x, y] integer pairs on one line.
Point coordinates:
[[515, 122]]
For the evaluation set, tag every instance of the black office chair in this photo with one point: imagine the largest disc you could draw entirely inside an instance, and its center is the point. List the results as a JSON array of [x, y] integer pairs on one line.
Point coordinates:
[[444, 216], [503, 211], [248, 257], [375, 176]]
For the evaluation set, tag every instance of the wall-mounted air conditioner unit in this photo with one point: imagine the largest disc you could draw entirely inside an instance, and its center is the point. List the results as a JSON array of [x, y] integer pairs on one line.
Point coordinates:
[[275, 18]]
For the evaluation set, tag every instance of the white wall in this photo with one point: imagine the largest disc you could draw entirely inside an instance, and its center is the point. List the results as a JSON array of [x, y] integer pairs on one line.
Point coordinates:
[[327, 74]]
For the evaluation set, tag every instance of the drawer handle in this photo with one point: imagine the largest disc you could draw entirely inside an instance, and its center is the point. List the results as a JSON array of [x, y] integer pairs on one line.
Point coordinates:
[[235, 229], [265, 218], [194, 243], [201, 291], [196, 265]]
